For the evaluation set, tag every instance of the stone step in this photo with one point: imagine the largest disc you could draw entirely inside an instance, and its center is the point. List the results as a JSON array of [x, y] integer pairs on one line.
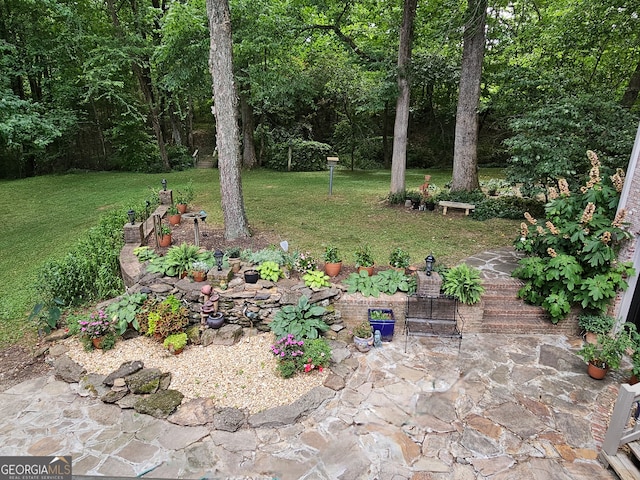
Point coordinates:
[[205, 165]]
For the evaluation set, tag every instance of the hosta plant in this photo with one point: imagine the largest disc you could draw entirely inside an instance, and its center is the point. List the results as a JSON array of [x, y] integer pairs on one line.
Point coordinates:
[[316, 279], [269, 271], [463, 283], [303, 320]]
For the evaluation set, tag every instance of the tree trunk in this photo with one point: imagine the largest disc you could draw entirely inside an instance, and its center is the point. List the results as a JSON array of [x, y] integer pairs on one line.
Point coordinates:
[[633, 87], [386, 160], [465, 152], [249, 159], [226, 115], [401, 126]]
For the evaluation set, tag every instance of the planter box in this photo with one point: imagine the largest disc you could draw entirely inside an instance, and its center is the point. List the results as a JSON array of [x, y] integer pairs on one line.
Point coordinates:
[[385, 326]]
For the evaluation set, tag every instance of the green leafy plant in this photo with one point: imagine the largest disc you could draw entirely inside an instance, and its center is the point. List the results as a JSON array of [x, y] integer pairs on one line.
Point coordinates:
[[332, 254], [97, 325], [199, 266], [175, 341], [269, 271], [233, 252], [172, 210], [145, 253], [598, 324], [178, 260], [463, 282], [303, 262], [363, 256], [316, 279], [123, 312], [46, 315], [399, 258], [363, 330], [572, 258], [165, 229], [379, 314], [369, 286], [185, 194], [269, 254], [303, 320], [607, 352]]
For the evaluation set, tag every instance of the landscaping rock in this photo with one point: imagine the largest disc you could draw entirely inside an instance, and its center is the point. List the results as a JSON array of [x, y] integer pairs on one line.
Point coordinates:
[[67, 370], [229, 419], [199, 411], [125, 370], [226, 335], [288, 414], [147, 380], [113, 396], [93, 385], [160, 404]]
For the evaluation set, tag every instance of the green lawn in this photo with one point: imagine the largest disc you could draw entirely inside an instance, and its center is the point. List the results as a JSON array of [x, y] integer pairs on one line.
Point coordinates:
[[43, 216]]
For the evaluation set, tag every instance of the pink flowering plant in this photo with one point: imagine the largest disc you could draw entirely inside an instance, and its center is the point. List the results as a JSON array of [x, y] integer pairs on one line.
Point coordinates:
[[97, 326], [304, 262], [300, 355]]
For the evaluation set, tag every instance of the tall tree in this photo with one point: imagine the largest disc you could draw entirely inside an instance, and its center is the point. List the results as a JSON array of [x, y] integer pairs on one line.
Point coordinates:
[[401, 127], [226, 113], [465, 153]]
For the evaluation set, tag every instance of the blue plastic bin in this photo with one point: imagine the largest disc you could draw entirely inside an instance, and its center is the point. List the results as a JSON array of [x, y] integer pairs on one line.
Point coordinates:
[[385, 326]]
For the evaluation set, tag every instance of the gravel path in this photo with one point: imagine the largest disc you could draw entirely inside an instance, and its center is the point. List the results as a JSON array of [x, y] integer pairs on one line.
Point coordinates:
[[242, 376]]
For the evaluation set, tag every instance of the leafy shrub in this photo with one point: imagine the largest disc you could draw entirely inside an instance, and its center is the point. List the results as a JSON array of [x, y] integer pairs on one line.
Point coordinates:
[[306, 156], [124, 311], [573, 256], [599, 324], [269, 254], [162, 318], [387, 281], [303, 320], [399, 258], [178, 260], [475, 197], [507, 207], [463, 282]]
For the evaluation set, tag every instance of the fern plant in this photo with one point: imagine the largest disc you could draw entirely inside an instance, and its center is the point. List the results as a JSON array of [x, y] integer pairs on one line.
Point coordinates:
[[303, 320], [463, 282]]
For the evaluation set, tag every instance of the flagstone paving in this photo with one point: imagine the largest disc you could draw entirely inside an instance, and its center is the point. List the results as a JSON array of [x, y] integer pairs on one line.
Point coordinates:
[[486, 406]]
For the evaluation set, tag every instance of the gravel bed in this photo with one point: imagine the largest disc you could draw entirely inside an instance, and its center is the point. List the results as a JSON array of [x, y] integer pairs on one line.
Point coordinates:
[[242, 376]]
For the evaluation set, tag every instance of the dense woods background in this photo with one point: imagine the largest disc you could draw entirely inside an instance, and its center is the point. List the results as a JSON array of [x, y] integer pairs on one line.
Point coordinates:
[[125, 84]]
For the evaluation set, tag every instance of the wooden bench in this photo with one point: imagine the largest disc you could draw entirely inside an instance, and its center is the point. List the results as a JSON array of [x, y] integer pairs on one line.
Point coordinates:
[[464, 206]]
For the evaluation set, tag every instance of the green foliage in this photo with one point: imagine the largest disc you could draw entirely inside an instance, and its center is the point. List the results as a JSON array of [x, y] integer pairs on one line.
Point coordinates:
[[47, 315], [185, 194], [599, 324], [363, 256], [306, 156], [573, 257], [475, 197], [379, 314], [369, 286], [507, 207], [178, 260], [123, 312], [399, 258], [135, 149], [463, 282], [269, 254], [316, 279], [145, 253], [300, 355], [175, 341], [91, 270], [363, 330], [549, 141], [270, 271], [332, 254], [607, 352], [303, 320], [400, 197]]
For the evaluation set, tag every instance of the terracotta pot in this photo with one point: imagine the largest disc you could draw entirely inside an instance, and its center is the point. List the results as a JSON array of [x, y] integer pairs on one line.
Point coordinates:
[[333, 269], [596, 372], [97, 342], [176, 352], [199, 276], [235, 264], [182, 207], [175, 219], [165, 240], [633, 380], [368, 269], [591, 337]]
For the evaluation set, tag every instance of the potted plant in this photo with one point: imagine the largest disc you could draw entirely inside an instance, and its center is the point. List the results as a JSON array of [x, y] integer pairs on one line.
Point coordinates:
[[173, 215], [165, 235], [184, 196], [364, 259], [603, 355], [382, 319], [594, 325], [251, 276], [233, 257], [399, 259], [98, 331], [175, 342], [332, 261], [159, 319], [363, 336], [199, 270]]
